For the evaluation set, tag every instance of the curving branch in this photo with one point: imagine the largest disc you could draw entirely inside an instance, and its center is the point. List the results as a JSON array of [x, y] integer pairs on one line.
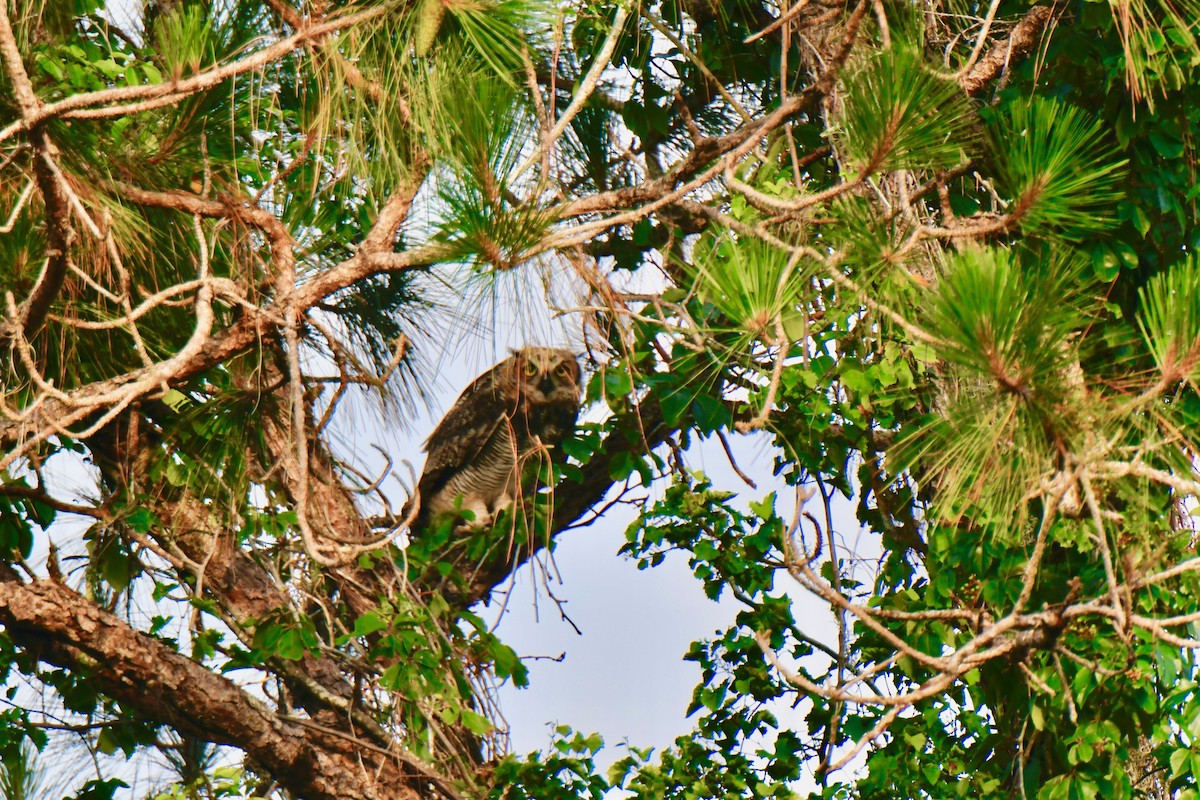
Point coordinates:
[[59, 232], [1020, 42], [160, 684], [123, 100], [58, 410]]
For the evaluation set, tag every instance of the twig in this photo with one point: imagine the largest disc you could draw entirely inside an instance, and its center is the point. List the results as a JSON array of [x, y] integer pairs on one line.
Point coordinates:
[[732, 462], [582, 90], [782, 346], [980, 41], [1106, 555], [174, 88], [661, 27], [779, 22], [21, 200]]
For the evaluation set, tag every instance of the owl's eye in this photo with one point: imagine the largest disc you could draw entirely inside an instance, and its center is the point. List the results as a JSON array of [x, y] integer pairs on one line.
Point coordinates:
[[531, 368], [562, 369]]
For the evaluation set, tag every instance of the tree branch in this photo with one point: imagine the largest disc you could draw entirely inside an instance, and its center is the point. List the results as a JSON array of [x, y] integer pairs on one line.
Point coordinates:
[[160, 684], [169, 90], [1023, 38]]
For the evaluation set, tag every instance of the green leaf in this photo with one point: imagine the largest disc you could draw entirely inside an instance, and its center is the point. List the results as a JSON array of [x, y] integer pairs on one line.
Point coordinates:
[[100, 789], [369, 623], [141, 520], [108, 67], [1180, 763], [1106, 263], [674, 405], [107, 742], [617, 382], [176, 399], [855, 379], [475, 723], [710, 413], [1166, 145], [623, 465]]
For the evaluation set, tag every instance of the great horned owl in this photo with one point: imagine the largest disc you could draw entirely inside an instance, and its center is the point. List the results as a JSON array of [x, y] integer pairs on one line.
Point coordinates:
[[506, 418]]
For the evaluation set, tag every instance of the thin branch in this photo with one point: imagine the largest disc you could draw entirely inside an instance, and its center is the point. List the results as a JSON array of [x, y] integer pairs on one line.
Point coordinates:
[[782, 345], [712, 79], [21, 200], [582, 90], [980, 42], [1101, 538], [779, 22], [176, 88], [1023, 38]]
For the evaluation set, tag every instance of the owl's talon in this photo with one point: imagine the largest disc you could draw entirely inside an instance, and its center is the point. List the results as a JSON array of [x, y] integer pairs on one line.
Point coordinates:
[[472, 526]]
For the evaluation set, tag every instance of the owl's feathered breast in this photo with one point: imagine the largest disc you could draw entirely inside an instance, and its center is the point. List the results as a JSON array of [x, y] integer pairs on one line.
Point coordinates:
[[463, 434]]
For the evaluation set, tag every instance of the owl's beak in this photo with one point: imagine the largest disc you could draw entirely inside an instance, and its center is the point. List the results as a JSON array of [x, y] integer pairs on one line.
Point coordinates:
[[546, 385]]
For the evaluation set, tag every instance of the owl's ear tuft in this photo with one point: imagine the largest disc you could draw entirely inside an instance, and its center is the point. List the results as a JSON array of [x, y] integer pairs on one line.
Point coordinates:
[[518, 352]]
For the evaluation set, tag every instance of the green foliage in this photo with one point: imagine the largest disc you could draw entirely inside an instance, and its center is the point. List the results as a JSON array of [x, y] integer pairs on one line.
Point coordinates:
[[694, 517], [1054, 164], [1013, 329], [753, 284], [869, 242], [183, 40], [289, 639], [496, 30], [221, 782], [1170, 321], [1010, 318], [18, 516], [1159, 41], [100, 789], [478, 126], [567, 771], [899, 114]]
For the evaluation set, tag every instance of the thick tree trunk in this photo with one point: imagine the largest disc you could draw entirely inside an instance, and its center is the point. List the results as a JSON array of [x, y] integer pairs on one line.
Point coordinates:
[[146, 676]]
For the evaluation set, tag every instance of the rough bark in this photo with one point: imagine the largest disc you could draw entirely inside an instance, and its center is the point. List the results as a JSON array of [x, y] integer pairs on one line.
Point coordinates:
[[1020, 43], [147, 677]]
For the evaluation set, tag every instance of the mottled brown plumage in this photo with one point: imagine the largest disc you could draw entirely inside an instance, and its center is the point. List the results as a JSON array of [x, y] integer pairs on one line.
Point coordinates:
[[509, 416]]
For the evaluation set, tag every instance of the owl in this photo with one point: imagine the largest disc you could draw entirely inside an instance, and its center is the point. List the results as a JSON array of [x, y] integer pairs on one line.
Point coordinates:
[[508, 417]]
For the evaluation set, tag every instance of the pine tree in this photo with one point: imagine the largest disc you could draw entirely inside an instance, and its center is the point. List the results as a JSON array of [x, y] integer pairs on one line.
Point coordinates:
[[940, 257]]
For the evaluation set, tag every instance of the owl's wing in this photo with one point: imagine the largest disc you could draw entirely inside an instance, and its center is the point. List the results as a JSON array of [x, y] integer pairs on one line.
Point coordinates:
[[463, 432]]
